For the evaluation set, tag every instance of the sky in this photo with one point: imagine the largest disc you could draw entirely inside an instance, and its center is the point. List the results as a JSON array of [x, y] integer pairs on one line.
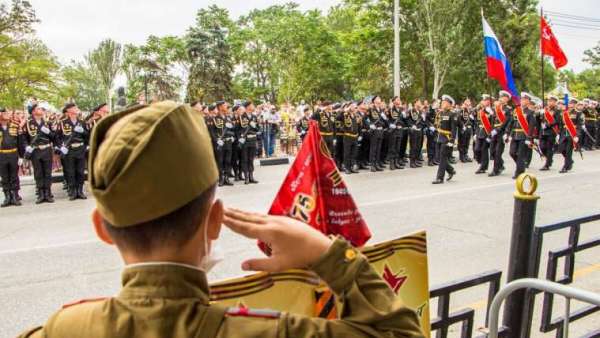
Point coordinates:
[[73, 27]]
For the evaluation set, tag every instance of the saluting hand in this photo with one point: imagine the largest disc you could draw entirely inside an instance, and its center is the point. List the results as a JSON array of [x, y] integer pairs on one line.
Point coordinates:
[[294, 244]]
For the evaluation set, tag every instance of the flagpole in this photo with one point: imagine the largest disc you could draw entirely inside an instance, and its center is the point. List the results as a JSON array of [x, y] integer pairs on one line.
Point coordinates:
[[542, 58]]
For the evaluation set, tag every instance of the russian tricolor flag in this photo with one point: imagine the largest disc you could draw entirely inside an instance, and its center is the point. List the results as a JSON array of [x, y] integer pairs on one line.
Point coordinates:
[[497, 64]]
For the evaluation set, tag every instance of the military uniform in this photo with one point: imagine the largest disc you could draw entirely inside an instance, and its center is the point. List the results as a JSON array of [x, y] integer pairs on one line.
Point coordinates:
[[39, 138], [236, 150], [566, 142], [338, 144], [483, 139], [548, 134], [591, 119], [163, 299], [73, 139], [497, 143], [431, 133], [521, 139], [350, 128], [377, 125], [326, 127], [11, 148], [447, 129], [416, 137], [223, 132], [465, 133], [248, 128], [395, 138]]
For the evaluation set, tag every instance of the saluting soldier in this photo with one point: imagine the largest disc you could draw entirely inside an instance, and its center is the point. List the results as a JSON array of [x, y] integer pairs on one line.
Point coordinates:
[[351, 126], [247, 139], [447, 129], [596, 108], [338, 141], [465, 131], [12, 150], [165, 291], [223, 132], [326, 122], [549, 131], [571, 126], [39, 138], [377, 125], [485, 120], [521, 131], [73, 138]]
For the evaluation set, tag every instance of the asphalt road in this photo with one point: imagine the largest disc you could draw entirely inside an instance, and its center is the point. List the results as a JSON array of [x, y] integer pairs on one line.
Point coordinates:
[[49, 254]]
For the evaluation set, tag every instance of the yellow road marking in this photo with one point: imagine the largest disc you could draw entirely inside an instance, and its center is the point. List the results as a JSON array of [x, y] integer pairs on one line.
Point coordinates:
[[577, 274]]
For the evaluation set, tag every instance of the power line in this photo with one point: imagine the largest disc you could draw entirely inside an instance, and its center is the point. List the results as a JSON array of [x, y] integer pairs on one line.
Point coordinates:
[[564, 22], [574, 17], [578, 27]]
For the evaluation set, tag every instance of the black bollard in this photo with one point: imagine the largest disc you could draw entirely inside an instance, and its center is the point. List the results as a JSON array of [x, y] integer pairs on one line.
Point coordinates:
[[516, 307]]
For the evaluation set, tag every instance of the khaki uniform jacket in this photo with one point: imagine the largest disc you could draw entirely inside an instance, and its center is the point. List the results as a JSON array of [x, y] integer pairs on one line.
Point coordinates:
[[168, 300]]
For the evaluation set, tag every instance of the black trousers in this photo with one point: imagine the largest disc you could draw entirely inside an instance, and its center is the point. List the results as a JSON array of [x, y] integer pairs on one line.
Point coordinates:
[[519, 152], [41, 160], [236, 157], [547, 148], [350, 146], [339, 150], [330, 146], [416, 137], [496, 151], [9, 170], [363, 149], [223, 154], [566, 149], [587, 142], [482, 151], [394, 145], [376, 141], [74, 167], [464, 140], [432, 146], [445, 166], [403, 143], [248, 152]]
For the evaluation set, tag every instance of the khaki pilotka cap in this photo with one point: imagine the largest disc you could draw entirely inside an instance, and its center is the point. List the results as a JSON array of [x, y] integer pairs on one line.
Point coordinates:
[[148, 161]]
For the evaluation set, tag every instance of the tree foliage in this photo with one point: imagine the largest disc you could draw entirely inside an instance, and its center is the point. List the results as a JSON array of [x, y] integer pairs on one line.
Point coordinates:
[[105, 61]]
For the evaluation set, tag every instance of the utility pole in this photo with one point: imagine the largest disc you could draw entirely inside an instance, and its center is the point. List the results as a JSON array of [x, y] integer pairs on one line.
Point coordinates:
[[397, 47]]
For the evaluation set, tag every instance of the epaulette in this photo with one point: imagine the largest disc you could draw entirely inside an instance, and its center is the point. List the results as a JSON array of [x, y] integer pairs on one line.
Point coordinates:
[[83, 301], [246, 312]]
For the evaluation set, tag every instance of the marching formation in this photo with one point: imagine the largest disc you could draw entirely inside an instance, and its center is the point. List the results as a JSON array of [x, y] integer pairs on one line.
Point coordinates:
[[367, 134], [37, 139], [370, 134]]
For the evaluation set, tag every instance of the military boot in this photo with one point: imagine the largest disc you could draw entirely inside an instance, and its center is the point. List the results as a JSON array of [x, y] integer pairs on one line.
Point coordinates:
[[14, 200], [72, 193], [49, 197], [7, 199], [80, 194], [252, 179], [41, 196]]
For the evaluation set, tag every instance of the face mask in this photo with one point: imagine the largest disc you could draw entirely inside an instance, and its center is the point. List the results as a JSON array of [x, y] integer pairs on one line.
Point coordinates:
[[213, 254]]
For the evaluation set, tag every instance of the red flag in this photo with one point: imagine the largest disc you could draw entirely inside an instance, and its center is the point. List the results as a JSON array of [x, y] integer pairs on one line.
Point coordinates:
[[550, 45], [315, 193]]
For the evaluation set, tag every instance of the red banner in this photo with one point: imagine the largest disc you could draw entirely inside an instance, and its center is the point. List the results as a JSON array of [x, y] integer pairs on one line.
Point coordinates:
[[570, 125], [550, 45], [550, 118], [315, 193], [487, 125], [523, 120], [500, 114]]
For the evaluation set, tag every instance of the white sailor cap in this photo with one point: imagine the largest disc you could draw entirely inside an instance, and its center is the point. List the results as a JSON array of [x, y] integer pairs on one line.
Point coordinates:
[[448, 98], [552, 97], [574, 100], [586, 101], [525, 95], [505, 93], [485, 97]]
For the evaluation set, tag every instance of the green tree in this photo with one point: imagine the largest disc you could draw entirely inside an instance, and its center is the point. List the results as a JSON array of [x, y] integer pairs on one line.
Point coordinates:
[[592, 56], [105, 60], [209, 53], [78, 82]]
